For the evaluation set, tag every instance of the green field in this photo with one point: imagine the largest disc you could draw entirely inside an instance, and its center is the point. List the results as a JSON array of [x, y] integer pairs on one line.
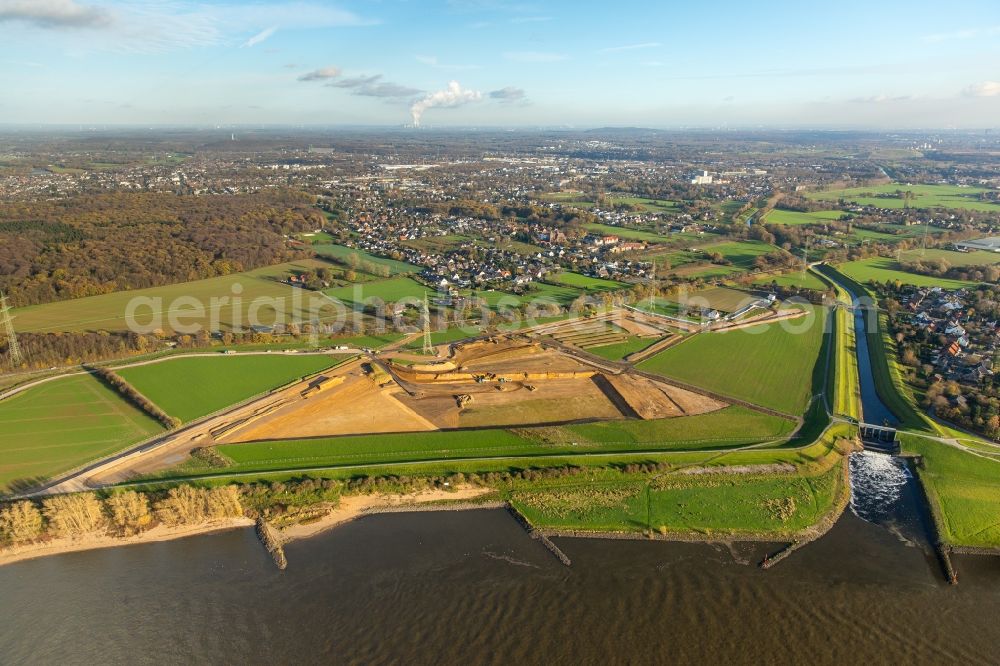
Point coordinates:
[[727, 428], [766, 365], [965, 488], [791, 217], [748, 504], [56, 426], [740, 254], [624, 232], [689, 304], [341, 253], [586, 282], [925, 196], [190, 388], [801, 280], [883, 269], [977, 258], [390, 291], [645, 205], [107, 312]]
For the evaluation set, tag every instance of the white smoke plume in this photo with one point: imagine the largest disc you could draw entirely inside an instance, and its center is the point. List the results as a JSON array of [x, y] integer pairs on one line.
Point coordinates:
[[452, 96]]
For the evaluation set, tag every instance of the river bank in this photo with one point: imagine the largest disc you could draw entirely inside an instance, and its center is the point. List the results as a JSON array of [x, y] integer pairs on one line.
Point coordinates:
[[60, 546]]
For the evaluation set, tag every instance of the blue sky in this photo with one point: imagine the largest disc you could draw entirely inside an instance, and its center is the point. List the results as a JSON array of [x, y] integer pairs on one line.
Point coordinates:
[[491, 62]]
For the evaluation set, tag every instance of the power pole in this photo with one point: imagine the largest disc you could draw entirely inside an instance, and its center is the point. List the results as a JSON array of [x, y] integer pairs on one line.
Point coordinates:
[[428, 347], [652, 285], [13, 349]]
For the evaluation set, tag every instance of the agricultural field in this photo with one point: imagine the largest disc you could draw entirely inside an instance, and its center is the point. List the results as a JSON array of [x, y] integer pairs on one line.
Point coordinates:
[[645, 205], [189, 388], [882, 269], [770, 364], [977, 258], [63, 423], [740, 254], [438, 244], [342, 253], [723, 299], [390, 291], [792, 217], [586, 282], [625, 232], [107, 312], [801, 280], [965, 488], [575, 199], [924, 196]]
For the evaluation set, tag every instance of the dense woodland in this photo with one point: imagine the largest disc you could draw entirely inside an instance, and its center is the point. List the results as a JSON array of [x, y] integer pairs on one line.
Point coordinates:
[[53, 250]]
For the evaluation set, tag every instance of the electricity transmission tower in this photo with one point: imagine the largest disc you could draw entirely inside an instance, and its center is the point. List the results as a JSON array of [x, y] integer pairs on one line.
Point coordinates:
[[428, 347], [652, 285], [13, 349]]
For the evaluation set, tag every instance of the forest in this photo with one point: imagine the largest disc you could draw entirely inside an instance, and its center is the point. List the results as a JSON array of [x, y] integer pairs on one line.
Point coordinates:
[[52, 250]]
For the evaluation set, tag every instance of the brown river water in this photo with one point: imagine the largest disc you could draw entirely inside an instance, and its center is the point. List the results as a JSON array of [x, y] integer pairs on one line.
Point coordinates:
[[471, 587]]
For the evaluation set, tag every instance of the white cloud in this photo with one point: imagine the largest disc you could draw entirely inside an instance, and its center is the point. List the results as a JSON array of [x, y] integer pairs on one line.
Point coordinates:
[[54, 13], [321, 74], [260, 37], [534, 56], [983, 89], [631, 47]]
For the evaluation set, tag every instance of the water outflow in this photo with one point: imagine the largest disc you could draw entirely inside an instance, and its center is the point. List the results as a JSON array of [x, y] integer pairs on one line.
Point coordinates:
[[877, 483]]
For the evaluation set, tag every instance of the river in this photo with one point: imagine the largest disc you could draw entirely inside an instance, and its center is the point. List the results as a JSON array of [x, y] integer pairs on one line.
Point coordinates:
[[471, 587]]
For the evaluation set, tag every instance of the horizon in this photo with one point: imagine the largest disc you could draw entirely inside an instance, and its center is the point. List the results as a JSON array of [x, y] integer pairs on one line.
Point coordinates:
[[486, 64]]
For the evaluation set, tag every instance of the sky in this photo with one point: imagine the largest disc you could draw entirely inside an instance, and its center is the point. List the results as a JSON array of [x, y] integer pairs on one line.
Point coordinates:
[[885, 64]]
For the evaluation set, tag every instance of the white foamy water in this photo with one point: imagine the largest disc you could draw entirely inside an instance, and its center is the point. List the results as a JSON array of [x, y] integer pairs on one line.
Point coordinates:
[[877, 481]]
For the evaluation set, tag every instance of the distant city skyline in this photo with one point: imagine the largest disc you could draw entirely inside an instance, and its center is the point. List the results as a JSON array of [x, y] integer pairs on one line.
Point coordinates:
[[495, 63]]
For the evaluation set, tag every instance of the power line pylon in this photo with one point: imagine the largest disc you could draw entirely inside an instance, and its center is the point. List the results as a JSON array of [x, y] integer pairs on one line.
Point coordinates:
[[428, 347], [13, 349]]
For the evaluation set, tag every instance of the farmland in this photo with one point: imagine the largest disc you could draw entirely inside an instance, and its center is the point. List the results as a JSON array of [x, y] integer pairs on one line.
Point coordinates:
[[740, 256], [63, 423], [624, 232], [587, 283], [342, 254], [924, 196], [107, 312], [802, 280], [770, 365], [977, 258], [883, 269], [190, 388], [389, 291], [791, 217]]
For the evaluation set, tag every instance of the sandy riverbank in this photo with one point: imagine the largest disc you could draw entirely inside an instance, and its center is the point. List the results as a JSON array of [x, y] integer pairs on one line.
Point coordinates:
[[355, 506], [95, 541], [351, 507]]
